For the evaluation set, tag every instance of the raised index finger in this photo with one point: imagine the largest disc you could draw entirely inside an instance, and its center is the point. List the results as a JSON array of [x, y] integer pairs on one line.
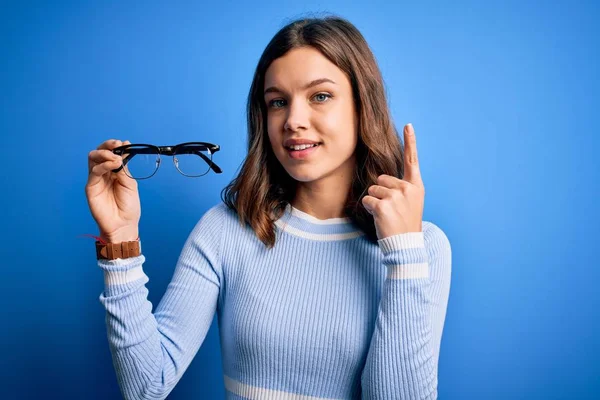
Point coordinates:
[[412, 173]]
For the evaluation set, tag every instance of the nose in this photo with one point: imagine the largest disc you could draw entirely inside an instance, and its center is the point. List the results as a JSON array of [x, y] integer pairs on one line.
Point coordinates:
[[298, 116]]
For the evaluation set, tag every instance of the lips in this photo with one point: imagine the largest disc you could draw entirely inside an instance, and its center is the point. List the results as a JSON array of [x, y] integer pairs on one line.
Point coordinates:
[[302, 154], [298, 141], [302, 147]]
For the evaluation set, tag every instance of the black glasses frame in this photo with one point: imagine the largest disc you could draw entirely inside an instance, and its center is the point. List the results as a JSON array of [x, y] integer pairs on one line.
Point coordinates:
[[181, 148]]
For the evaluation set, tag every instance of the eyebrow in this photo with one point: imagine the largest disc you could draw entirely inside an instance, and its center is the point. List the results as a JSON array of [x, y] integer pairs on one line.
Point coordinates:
[[274, 89]]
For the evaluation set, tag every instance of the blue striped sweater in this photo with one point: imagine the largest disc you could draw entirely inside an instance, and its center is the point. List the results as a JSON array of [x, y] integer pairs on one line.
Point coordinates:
[[325, 314]]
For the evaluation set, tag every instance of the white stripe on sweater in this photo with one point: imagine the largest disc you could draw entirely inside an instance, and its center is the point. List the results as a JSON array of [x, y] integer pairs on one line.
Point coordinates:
[[408, 271], [254, 392]]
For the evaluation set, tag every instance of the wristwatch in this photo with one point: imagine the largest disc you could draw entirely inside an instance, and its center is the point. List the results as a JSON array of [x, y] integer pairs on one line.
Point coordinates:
[[112, 251]]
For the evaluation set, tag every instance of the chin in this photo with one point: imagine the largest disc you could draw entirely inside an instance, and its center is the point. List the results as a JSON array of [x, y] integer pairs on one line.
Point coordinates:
[[304, 178], [304, 175]]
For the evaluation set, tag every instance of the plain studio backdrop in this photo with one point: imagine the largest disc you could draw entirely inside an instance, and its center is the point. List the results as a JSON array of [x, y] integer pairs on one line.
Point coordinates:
[[503, 97]]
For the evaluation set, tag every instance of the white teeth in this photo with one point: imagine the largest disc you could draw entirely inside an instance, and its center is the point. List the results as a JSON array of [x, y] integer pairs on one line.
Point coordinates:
[[302, 146]]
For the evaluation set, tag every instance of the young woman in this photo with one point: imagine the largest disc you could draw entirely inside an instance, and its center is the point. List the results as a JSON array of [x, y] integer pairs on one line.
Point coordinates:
[[326, 282]]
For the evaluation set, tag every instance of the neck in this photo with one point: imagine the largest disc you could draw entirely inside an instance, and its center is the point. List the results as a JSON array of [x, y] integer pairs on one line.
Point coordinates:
[[323, 199]]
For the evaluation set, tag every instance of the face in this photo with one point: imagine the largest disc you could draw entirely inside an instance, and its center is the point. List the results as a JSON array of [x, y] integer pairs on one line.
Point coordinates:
[[311, 116]]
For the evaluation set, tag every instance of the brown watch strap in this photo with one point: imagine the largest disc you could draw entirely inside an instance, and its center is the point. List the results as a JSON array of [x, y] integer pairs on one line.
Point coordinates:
[[112, 251]]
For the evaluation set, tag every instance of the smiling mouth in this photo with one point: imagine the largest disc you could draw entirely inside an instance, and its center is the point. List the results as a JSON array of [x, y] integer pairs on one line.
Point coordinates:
[[302, 151], [302, 147]]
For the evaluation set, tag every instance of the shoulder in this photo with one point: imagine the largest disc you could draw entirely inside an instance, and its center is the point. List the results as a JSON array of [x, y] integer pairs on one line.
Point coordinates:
[[214, 220], [219, 212], [436, 241]]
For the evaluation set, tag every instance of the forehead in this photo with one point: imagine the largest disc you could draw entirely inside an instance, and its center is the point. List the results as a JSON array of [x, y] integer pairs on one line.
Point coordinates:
[[299, 66]]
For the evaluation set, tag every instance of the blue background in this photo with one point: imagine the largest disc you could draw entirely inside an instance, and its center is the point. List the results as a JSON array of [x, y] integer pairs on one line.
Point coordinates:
[[504, 100]]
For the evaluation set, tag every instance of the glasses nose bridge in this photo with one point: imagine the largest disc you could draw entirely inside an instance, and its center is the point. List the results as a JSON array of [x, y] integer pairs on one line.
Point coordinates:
[[166, 150]]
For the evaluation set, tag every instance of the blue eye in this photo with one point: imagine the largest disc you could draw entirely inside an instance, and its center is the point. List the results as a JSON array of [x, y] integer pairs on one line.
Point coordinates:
[[276, 103], [322, 97]]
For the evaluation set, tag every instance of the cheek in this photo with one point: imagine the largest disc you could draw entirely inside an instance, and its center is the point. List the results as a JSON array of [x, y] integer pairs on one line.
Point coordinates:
[[273, 132], [346, 148], [340, 125]]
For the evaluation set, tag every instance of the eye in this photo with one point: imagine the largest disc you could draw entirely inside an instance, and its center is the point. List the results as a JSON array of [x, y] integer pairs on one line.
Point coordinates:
[[276, 103], [322, 97]]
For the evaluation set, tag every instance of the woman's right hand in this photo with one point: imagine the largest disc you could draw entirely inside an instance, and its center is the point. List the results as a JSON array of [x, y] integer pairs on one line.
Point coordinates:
[[113, 198]]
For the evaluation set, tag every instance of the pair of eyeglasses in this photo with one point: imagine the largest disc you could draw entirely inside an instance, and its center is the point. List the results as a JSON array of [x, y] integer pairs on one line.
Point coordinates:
[[192, 159]]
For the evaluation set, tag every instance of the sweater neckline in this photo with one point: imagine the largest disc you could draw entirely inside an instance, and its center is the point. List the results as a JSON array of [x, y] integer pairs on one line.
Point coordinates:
[[315, 220], [304, 225]]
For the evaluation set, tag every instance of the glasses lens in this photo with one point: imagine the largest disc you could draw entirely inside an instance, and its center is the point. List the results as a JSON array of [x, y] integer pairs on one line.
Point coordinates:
[[141, 162], [193, 160]]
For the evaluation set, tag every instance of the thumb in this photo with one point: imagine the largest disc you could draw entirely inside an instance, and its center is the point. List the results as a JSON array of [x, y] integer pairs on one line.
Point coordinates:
[[122, 144]]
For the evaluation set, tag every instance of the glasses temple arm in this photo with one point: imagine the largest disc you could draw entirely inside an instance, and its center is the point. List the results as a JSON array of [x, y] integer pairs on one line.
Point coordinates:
[[212, 165]]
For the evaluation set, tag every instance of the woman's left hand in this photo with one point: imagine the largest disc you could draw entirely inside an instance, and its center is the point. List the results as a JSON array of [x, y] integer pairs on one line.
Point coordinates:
[[397, 204]]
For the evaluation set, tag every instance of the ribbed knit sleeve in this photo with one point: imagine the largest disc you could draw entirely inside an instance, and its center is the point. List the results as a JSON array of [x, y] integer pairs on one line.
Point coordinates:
[[402, 361], [151, 352]]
